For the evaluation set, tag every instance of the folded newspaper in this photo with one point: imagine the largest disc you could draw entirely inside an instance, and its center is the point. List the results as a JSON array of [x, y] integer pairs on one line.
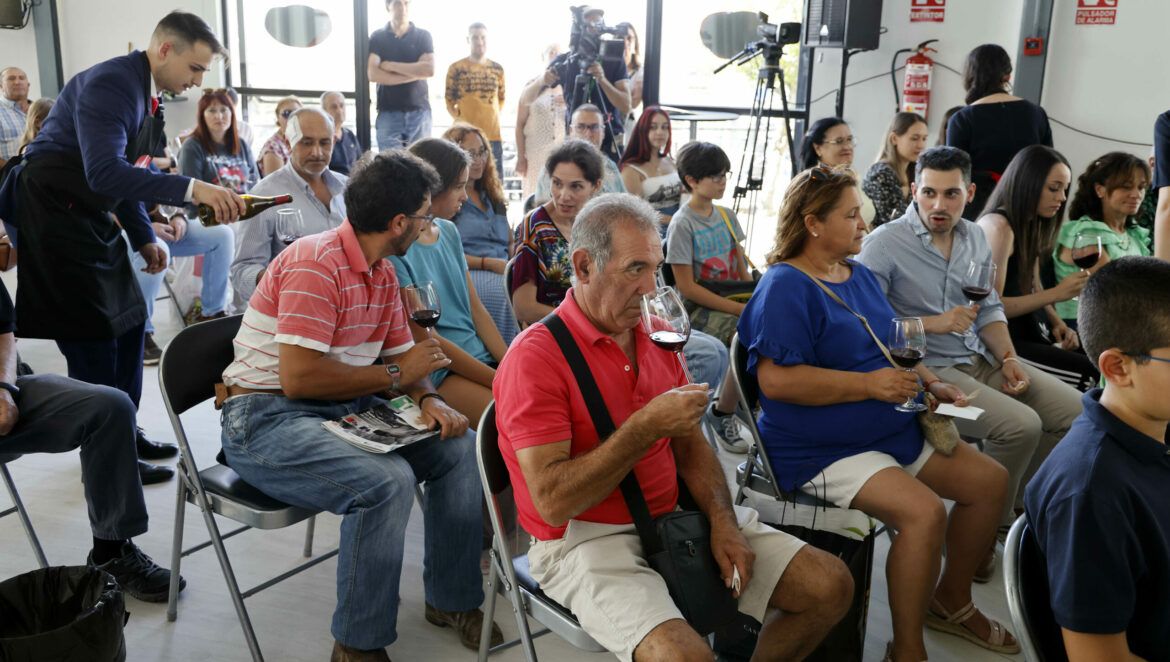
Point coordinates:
[[383, 428]]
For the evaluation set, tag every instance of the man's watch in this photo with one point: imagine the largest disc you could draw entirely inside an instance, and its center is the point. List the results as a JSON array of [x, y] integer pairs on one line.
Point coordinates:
[[392, 369], [13, 389]]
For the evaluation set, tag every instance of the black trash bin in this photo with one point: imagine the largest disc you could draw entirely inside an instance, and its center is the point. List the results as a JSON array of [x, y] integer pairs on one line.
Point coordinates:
[[62, 614]]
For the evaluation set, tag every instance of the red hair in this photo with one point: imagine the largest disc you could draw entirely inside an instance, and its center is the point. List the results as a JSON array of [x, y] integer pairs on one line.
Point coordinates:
[[203, 134], [639, 149]]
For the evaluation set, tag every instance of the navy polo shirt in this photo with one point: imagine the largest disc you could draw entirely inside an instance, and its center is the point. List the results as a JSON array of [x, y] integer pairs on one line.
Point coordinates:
[[1100, 510]]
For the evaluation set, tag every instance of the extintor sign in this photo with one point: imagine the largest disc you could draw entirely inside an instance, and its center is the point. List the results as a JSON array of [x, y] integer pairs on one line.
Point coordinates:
[[1096, 12], [927, 11]]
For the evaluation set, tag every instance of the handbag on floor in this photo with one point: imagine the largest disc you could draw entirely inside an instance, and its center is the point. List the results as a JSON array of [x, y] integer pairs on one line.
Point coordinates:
[[677, 545]]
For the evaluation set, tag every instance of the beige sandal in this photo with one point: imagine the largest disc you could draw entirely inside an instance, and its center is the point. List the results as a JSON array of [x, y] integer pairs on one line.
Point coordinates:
[[938, 619]]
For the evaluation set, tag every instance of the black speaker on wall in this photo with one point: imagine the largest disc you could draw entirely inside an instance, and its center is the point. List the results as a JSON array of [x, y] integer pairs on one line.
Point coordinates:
[[12, 13], [842, 23]]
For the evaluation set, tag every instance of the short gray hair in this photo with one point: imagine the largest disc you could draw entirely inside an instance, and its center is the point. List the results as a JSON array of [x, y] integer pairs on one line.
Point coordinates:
[[293, 128], [325, 96], [593, 229]]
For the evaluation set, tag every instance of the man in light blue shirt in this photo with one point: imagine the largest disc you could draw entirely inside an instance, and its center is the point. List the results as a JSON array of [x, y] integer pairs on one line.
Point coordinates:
[[317, 191], [13, 110], [921, 261]]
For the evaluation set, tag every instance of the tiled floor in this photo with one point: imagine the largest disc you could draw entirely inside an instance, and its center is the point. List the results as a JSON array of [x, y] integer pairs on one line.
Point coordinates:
[[291, 619]]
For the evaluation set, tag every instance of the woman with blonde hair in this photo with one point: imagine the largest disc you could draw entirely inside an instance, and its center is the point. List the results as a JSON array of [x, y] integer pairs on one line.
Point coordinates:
[[483, 227], [887, 182], [829, 425], [37, 112], [277, 150]]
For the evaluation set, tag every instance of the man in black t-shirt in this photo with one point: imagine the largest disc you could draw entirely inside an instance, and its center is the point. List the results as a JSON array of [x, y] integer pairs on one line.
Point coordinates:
[[609, 89], [55, 414], [402, 58]]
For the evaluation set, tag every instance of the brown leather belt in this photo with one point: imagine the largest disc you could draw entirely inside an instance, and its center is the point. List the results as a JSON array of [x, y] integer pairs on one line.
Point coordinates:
[[223, 392]]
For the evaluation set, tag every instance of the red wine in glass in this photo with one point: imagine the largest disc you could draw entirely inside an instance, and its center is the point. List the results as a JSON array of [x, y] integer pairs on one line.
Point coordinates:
[[907, 346], [1086, 260], [671, 341], [976, 294], [907, 358], [425, 318]]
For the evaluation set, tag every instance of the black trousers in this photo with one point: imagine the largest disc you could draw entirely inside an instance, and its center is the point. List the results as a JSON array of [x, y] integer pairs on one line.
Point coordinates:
[[57, 415], [116, 363]]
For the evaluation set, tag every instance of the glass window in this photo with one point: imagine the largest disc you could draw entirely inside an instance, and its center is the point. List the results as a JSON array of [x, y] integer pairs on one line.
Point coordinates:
[[324, 62]]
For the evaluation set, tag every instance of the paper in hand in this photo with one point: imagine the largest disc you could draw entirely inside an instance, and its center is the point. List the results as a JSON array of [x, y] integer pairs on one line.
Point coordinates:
[[969, 413]]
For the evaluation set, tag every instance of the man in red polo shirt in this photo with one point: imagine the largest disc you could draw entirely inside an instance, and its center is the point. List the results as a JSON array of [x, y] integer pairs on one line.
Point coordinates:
[[327, 306], [587, 555]]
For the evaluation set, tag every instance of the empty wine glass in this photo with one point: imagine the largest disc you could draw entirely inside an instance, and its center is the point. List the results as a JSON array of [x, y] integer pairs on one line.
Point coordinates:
[[422, 304], [907, 344], [290, 225], [977, 285], [665, 320]]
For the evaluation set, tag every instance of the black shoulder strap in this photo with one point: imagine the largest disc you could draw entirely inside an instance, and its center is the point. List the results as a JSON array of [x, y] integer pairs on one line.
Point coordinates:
[[603, 423]]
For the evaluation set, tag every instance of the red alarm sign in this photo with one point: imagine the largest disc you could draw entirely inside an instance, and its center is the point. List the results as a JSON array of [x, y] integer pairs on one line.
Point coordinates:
[[1096, 12], [927, 11]]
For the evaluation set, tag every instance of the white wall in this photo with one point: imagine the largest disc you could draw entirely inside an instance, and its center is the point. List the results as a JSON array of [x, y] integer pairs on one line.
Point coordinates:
[[869, 106], [18, 48]]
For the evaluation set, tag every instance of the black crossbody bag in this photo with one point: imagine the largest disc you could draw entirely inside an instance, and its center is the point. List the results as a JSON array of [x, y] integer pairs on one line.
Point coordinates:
[[677, 545]]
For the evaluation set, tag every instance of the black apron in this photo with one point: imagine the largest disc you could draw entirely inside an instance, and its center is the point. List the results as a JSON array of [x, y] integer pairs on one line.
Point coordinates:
[[75, 279]]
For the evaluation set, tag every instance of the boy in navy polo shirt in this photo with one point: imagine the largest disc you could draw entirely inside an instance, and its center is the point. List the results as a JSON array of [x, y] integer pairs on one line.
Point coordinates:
[[1099, 505]]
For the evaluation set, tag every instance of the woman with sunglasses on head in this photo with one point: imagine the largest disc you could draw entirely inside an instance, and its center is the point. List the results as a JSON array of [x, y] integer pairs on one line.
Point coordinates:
[[276, 150], [829, 425], [829, 142], [483, 226], [648, 171], [214, 154], [465, 331]]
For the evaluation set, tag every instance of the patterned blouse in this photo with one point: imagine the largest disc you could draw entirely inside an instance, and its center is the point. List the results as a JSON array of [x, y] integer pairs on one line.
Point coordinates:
[[278, 145], [882, 186], [542, 256]]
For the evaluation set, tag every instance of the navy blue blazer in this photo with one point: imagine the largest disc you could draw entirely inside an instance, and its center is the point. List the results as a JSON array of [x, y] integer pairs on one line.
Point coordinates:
[[98, 113]]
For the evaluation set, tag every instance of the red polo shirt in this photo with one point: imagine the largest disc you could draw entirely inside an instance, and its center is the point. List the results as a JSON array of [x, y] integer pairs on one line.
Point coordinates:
[[538, 402]]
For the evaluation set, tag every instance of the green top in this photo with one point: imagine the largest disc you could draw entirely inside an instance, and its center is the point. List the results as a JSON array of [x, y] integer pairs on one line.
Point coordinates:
[[1135, 241]]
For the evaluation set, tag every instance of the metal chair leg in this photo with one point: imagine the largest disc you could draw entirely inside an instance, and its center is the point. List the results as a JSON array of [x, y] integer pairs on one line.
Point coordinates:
[[312, 524], [233, 587], [33, 541], [489, 610], [177, 545]]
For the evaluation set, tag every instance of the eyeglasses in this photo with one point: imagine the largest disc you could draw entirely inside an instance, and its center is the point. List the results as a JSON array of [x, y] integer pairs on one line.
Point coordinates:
[[287, 112], [1147, 356], [841, 142], [477, 154], [427, 219], [823, 173], [719, 179], [591, 128], [215, 90]]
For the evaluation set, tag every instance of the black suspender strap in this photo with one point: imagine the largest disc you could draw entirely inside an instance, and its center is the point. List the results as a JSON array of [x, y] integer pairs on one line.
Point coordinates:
[[603, 423]]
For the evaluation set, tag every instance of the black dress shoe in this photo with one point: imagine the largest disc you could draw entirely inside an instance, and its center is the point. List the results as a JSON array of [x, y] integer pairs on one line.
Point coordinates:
[[153, 450], [153, 473]]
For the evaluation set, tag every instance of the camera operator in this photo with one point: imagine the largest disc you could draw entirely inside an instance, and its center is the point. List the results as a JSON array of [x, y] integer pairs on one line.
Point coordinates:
[[609, 88]]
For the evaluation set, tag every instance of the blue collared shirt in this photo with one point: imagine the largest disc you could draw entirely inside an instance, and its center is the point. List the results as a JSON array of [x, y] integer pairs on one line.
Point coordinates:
[[256, 238], [1099, 513], [12, 119], [920, 282]]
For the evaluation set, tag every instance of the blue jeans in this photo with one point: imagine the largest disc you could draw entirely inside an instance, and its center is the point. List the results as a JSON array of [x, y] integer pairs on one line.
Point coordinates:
[[707, 359], [396, 129], [217, 245], [498, 155], [279, 446]]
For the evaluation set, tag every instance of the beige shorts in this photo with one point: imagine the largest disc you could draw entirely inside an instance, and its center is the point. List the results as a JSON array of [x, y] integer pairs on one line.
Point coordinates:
[[597, 572], [840, 482]]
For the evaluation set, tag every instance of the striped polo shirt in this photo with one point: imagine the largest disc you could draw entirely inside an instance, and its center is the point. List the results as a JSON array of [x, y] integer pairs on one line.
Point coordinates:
[[321, 294]]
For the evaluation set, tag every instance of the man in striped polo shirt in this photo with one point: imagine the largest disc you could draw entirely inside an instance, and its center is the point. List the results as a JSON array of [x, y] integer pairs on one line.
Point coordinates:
[[324, 310]]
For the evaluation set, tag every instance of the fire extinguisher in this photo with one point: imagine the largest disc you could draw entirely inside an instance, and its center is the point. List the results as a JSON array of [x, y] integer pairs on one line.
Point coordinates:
[[916, 84]]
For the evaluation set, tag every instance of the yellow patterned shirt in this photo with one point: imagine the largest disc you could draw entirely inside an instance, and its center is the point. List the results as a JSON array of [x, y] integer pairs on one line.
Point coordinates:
[[475, 93]]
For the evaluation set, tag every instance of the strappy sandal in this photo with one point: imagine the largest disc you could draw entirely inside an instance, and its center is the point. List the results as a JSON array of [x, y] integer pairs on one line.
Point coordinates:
[[938, 619]]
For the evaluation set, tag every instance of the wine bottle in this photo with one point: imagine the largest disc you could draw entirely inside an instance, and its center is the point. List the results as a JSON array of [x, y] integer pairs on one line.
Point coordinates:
[[253, 204]]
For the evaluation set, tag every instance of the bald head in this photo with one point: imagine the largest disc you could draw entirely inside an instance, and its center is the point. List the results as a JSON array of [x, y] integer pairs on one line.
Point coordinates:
[[310, 133], [14, 84]]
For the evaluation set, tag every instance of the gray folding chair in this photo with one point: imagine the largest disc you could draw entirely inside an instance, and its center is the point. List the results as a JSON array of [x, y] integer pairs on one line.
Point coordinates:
[[509, 573], [18, 509], [1025, 580], [190, 367]]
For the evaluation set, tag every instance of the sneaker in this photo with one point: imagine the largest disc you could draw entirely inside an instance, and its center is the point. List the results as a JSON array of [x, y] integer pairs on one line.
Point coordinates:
[[138, 575], [469, 625], [726, 430], [150, 351]]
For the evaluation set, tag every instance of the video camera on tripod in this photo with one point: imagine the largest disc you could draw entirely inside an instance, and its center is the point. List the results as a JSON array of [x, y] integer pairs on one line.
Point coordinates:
[[586, 47]]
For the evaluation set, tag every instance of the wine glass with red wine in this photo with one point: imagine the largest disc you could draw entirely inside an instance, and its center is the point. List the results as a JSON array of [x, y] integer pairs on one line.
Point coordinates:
[[907, 344], [1086, 251], [665, 320], [977, 285], [290, 225], [422, 304]]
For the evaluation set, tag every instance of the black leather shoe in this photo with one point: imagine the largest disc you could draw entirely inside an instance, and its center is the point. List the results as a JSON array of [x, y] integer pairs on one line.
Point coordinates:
[[153, 450], [153, 473]]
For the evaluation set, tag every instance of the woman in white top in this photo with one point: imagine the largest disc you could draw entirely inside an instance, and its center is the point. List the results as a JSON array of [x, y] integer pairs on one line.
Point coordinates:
[[540, 123], [635, 71], [647, 169]]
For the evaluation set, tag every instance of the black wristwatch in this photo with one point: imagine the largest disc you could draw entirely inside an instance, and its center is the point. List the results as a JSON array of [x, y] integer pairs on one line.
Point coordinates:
[[13, 389], [395, 373]]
